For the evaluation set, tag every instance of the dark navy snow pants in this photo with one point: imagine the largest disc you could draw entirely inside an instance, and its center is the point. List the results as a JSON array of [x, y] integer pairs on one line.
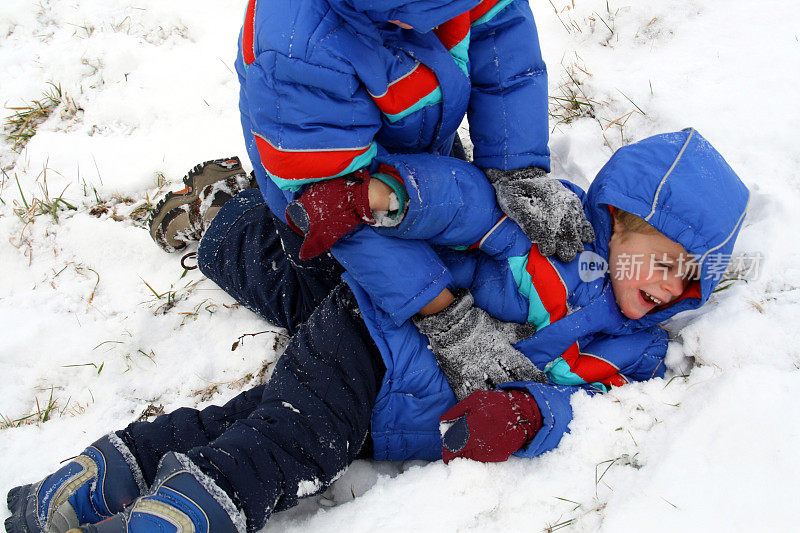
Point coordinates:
[[293, 436]]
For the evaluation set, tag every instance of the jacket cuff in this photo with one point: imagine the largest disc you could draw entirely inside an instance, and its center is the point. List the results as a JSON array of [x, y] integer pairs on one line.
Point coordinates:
[[506, 239], [445, 320], [507, 162], [413, 305], [496, 175], [554, 404], [130, 460]]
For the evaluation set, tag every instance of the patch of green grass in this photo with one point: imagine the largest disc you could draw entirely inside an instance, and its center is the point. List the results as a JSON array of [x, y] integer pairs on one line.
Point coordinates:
[[44, 205], [43, 413], [96, 367], [571, 101], [168, 299], [141, 212], [21, 126]]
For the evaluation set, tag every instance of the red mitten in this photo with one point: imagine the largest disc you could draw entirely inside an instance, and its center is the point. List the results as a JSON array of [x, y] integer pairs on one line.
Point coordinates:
[[488, 426], [328, 210]]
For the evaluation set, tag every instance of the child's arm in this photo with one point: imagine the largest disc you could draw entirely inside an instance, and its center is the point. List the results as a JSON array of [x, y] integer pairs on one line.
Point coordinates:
[[505, 238], [601, 315], [554, 405], [508, 116], [523, 418], [508, 120], [401, 276], [450, 202], [310, 120], [613, 360], [488, 426]]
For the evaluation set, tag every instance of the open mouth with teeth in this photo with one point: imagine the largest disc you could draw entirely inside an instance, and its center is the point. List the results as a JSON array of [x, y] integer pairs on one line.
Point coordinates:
[[649, 298]]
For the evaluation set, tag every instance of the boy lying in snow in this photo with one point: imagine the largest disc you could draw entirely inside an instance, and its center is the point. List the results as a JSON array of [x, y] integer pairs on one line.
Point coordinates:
[[352, 381]]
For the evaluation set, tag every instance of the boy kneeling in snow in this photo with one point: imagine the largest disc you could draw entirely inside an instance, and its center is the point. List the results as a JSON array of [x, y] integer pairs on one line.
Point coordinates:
[[352, 383]]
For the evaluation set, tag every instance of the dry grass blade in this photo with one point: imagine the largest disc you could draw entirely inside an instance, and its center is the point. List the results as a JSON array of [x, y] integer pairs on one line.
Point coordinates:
[[22, 124], [572, 102]]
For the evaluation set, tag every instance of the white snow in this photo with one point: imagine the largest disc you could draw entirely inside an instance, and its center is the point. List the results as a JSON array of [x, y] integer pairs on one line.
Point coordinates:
[[82, 332], [307, 487]]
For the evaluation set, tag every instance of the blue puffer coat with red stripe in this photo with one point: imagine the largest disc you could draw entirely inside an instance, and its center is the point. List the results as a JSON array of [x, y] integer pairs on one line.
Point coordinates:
[[331, 86], [677, 182]]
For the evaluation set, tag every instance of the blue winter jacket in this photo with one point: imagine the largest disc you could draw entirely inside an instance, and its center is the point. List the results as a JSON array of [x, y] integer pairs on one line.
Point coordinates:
[[330, 86], [677, 182]]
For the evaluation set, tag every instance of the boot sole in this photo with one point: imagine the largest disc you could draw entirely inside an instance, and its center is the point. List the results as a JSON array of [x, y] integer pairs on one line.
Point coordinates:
[[195, 181], [17, 501], [13, 497]]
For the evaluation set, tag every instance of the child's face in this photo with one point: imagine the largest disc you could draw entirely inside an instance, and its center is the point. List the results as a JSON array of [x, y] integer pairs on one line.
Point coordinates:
[[647, 270]]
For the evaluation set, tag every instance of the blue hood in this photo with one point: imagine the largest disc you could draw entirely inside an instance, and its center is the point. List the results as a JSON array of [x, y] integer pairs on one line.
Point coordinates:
[[682, 186], [423, 15]]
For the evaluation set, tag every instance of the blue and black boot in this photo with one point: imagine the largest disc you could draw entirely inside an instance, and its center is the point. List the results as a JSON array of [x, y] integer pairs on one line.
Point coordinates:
[[97, 484], [182, 500]]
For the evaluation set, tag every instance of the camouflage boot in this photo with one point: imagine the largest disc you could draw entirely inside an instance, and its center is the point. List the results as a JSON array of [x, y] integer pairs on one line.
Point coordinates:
[[183, 216]]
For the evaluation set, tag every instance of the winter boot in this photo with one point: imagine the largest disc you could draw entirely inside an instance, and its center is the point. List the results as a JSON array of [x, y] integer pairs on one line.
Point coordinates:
[[182, 500], [183, 216], [93, 486]]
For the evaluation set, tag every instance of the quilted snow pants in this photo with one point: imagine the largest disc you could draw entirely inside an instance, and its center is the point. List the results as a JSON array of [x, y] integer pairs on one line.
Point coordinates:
[[292, 436]]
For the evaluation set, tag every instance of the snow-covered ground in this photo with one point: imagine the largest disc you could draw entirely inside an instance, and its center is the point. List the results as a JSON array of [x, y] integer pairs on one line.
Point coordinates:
[[98, 325]]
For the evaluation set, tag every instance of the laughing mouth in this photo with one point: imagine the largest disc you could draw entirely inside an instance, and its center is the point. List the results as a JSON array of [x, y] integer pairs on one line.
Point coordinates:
[[650, 298]]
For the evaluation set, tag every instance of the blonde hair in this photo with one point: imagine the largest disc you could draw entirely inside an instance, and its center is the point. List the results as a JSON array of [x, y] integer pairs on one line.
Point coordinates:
[[633, 223]]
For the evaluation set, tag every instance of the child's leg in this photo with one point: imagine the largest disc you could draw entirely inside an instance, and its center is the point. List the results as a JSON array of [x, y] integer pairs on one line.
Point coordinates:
[[253, 256], [184, 429], [291, 437]]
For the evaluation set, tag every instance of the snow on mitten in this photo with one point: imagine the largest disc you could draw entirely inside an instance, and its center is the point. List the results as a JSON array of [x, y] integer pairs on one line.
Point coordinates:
[[488, 426], [473, 349], [329, 210], [550, 214]]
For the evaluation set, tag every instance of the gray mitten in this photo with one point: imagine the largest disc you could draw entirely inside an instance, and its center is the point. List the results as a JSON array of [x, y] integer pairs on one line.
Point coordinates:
[[514, 332], [550, 214], [473, 350]]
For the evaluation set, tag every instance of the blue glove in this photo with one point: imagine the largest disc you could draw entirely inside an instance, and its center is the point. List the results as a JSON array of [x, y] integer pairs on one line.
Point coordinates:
[[98, 483], [182, 500]]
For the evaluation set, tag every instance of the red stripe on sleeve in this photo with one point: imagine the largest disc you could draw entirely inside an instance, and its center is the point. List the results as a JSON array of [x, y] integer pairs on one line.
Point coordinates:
[[548, 284], [306, 164], [571, 355], [481, 9], [407, 91], [386, 169], [590, 368], [617, 380], [248, 33], [453, 31]]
